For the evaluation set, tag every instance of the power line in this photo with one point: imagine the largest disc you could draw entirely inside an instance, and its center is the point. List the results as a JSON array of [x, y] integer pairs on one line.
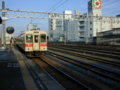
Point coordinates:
[[60, 5], [55, 5]]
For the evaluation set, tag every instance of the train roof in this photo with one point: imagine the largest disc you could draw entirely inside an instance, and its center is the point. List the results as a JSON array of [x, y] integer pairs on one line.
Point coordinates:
[[32, 31], [35, 31]]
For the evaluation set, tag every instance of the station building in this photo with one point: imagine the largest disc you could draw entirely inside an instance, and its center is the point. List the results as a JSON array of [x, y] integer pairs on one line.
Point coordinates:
[[79, 27]]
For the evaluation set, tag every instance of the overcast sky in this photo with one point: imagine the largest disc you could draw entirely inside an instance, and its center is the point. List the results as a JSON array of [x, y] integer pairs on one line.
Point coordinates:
[[109, 8]]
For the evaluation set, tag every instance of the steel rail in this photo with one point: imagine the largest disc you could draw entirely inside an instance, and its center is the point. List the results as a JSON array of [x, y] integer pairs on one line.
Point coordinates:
[[81, 74], [111, 72], [92, 51], [91, 57], [67, 75], [52, 69]]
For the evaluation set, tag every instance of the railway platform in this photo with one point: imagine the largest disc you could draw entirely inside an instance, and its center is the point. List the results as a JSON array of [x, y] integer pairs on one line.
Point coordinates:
[[15, 74], [10, 74]]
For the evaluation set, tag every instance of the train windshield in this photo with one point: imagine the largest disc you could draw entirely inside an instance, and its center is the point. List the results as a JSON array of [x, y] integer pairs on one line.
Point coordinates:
[[36, 39], [43, 37], [29, 38]]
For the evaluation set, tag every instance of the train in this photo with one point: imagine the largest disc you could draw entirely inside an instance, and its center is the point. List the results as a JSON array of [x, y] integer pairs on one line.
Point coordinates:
[[32, 42]]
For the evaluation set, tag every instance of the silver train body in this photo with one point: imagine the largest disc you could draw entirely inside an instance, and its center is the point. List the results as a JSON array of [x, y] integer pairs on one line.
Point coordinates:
[[33, 42]]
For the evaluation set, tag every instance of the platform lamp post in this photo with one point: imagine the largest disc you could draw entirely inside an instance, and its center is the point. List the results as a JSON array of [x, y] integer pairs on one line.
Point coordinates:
[[3, 23], [0, 23]]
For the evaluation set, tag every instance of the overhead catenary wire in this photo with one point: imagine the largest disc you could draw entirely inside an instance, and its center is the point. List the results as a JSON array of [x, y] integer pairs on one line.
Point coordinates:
[[55, 5], [60, 5]]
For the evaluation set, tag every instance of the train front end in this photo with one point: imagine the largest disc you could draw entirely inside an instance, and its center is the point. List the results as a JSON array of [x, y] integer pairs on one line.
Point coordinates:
[[36, 43]]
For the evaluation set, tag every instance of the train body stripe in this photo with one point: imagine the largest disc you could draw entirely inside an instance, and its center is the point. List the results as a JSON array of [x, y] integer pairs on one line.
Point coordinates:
[[28, 45], [43, 44], [31, 45]]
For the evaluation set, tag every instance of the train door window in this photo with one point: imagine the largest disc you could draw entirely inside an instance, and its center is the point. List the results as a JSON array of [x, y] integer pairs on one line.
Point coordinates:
[[36, 38], [43, 37], [29, 38]]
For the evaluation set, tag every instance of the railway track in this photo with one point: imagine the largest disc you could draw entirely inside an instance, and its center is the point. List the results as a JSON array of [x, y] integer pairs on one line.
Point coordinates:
[[106, 49], [84, 55], [93, 47], [56, 74], [65, 79], [73, 73], [41, 79], [93, 51], [96, 76]]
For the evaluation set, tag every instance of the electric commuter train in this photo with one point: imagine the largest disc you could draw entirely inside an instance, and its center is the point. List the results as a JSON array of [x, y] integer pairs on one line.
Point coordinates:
[[33, 42]]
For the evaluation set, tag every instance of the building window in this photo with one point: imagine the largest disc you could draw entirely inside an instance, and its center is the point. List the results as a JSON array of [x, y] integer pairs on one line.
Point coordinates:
[[90, 35], [90, 22], [82, 37], [81, 22]]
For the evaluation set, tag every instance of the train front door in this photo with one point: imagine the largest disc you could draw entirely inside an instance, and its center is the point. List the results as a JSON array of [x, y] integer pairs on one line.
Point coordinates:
[[36, 43]]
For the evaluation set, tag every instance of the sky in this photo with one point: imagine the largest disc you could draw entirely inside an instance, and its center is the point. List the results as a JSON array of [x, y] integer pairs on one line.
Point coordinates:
[[109, 8]]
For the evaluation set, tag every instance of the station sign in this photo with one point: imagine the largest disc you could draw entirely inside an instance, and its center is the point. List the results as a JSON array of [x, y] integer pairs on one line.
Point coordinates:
[[97, 4]]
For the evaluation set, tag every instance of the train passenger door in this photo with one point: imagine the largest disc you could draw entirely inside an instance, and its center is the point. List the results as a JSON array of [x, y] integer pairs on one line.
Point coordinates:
[[36, 43]]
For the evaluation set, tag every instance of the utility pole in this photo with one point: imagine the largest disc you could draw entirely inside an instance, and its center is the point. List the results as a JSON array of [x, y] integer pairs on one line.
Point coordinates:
[[3, 23]]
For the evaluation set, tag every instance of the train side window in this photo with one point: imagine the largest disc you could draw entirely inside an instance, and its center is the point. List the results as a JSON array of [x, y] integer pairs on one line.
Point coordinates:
[[36, 38], [29, 38], [43, 37]]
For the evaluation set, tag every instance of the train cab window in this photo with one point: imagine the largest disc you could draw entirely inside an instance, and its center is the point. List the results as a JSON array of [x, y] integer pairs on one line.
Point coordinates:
[[36, 39], [29, 38], [43, 38]]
